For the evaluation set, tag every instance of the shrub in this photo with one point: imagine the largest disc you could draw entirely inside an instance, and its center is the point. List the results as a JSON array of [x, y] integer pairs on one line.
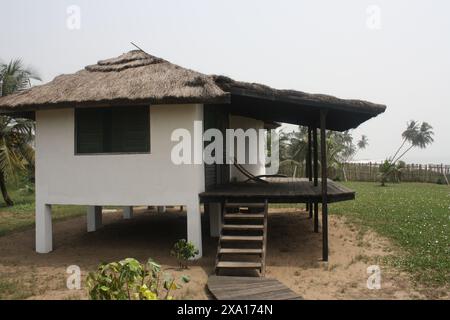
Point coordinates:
[[130, 280], [27, 189], [183, 251]]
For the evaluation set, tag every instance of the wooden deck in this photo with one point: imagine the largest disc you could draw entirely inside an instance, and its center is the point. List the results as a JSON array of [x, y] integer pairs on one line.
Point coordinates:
[[249, 288], [278, 190]]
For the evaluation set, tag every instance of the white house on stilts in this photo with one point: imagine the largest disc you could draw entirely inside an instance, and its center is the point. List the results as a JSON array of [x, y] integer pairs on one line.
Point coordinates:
[[105, 136]]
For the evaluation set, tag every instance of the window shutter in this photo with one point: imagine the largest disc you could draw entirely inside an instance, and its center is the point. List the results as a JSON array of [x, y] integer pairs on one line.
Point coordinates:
[[116, 130], [131, 129], [89, 131]]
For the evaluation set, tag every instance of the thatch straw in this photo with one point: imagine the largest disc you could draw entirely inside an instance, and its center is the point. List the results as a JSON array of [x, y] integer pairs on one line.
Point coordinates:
[[142, 78], [295, 97], [132, 77]]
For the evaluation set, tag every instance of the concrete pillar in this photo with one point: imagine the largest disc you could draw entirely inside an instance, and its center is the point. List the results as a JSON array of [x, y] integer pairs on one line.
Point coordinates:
[[44, 232], [161, 209], [94, 218], [215, 219], [128, 212], [194, 226]]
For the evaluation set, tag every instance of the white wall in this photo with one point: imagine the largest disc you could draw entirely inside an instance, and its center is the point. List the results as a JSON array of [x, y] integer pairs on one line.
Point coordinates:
[[127, 179], [239, 122]]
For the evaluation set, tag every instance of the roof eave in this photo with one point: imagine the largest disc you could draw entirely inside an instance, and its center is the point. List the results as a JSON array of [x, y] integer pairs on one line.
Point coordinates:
[[224, 99], [374, 109]]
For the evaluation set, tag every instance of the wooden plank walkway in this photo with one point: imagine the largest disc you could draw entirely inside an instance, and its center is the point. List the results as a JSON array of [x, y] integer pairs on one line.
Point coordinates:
[[278, 190], [249, 288]]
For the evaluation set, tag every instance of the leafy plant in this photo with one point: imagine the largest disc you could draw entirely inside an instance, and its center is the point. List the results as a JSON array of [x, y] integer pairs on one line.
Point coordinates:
[[183, 251], [128, 279], [392, 172]]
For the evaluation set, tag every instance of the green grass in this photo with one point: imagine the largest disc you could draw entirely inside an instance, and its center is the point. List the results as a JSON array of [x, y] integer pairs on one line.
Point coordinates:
[[21, 215], [12, 289], [415, 216]]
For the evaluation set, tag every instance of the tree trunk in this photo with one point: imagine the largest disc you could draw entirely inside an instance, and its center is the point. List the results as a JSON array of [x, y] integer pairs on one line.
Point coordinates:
[[393, 162], [6, 197], [398, 150]]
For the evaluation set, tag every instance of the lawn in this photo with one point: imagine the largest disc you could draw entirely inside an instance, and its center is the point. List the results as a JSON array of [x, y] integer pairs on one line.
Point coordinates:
[[21, 215], [415, 216]]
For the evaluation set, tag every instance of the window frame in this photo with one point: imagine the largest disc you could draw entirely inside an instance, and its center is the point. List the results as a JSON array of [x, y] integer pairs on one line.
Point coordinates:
[[76, 153]]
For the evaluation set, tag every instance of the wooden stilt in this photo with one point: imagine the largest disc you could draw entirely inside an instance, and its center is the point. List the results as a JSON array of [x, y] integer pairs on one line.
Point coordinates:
[[309, 167], [323, 162], [316, 217], [316, 176]]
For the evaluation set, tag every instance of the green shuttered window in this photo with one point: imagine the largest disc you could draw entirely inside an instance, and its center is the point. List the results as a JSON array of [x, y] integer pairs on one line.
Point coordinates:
[[112, 130]]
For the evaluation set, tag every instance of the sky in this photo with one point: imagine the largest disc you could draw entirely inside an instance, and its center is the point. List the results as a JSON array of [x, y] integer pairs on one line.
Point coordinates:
[[394, 52]]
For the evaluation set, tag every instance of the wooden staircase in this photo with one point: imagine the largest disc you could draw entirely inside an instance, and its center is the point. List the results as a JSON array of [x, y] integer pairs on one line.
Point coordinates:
[[243, 238]]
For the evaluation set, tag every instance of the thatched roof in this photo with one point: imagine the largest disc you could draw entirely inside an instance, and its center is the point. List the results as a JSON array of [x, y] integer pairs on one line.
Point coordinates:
[[137, 77], [132, 77]]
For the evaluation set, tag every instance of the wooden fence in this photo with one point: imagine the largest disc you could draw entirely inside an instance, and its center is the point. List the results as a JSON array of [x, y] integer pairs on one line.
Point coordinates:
[[432, 173]]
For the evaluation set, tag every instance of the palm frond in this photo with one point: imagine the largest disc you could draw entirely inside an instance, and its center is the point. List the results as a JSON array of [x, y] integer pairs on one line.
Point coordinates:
[[15, 77]]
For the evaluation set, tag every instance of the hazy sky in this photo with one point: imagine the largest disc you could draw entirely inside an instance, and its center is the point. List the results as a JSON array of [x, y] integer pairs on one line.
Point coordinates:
[[341, 48]]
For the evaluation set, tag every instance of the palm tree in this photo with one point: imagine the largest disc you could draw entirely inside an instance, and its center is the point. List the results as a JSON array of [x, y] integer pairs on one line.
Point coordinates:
[[16, 152], [363, 143], [349, 150], [408, 135], [15, 77], [340, 148], [293, 149], [418, 136], [16, 135], [421, 138]]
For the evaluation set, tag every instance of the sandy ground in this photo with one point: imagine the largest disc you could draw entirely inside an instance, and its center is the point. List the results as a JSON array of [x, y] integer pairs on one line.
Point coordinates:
[[293, 257]]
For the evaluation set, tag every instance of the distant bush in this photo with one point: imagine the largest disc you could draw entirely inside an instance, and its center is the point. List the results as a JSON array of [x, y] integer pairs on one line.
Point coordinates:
[[27, 189], [183, 251], [128, 279]]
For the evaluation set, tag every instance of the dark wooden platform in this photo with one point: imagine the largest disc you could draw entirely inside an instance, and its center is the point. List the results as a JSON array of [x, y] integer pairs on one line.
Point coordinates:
[[249, 288], [278, 190]]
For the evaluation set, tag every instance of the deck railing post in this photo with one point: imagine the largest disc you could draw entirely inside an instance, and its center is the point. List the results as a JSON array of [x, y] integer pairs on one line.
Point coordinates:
[[316, 176], [323, 162]]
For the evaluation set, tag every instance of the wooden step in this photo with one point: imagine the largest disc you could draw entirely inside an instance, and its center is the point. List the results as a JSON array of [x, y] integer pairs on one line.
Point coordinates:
[[237, 264], [243, 227], [244, 205], [244, 216], [240, 251], [241, 238]]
